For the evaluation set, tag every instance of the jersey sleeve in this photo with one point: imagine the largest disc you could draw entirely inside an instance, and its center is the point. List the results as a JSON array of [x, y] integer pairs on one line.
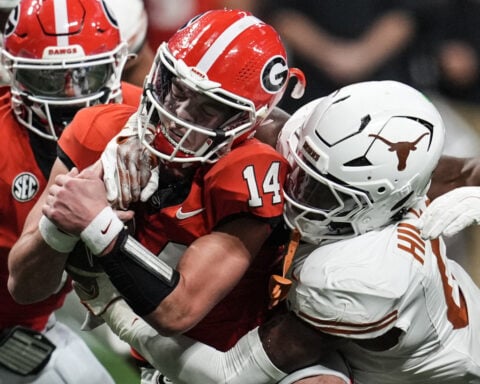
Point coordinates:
[[84, 139], [342, 290], [249, 180]]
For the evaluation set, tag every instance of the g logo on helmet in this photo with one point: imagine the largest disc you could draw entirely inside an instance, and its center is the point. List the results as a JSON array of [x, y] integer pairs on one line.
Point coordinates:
[[274, 74]]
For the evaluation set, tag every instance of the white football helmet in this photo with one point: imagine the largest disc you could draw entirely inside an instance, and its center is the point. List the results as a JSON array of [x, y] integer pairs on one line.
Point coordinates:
[[360, 157], [132, 21]]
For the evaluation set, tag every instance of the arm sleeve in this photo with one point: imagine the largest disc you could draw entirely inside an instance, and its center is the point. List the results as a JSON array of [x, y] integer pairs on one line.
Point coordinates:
[[185, 361]]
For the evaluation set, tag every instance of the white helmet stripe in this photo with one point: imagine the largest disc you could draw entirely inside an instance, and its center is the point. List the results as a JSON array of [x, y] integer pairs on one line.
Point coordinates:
[[224, 40], [61, 22]]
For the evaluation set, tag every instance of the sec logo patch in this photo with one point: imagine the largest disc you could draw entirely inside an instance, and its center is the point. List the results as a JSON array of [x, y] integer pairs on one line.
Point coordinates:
[[25, 186]]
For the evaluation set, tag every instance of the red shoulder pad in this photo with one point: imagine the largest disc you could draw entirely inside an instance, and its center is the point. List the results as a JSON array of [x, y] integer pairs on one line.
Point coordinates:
[[85, 138]]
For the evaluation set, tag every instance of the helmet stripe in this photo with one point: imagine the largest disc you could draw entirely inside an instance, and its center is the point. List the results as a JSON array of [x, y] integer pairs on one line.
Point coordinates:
[[61, 22], [217, 48]]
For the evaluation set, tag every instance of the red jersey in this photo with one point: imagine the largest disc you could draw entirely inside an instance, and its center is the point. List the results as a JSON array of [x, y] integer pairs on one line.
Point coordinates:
[[247, 181], [21, 184]]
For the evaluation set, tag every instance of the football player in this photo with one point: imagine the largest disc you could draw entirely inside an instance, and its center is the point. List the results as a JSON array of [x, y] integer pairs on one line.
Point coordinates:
[[214, 215], [365, 283], [404, 312], [61, 56]]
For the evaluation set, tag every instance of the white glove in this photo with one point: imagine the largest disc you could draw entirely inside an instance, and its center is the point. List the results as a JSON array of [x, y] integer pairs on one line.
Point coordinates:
[[91, 322], [130, 171], [97, 294], [450, 213]]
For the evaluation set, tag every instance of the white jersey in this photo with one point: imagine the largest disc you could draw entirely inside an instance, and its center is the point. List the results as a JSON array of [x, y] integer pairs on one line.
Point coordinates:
[[361, 288]]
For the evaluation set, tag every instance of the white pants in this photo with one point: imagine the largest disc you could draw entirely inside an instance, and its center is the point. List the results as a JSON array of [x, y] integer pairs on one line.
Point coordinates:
[[71, 362]]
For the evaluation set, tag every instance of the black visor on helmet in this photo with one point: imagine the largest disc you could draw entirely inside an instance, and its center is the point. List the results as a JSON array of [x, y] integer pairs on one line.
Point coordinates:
[[63, 82]]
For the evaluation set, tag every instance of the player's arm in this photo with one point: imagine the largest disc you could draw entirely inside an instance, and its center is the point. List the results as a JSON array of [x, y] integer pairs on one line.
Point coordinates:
[[278, 350], [456, 193], [36, 269], [209, 269], [171, 300], [454, 172], [184, 361], [269, 130]]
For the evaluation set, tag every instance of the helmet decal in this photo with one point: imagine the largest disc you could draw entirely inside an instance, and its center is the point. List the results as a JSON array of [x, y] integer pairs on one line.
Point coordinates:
[[402, 148], [222, 42], [192, 20], [109, 13], [274, 74], [12, 21]]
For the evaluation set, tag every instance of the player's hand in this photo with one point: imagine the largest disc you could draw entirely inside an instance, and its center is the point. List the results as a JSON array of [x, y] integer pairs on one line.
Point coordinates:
[[82, 265], [130, 170], [84, 268], [96, 294], [75, 200], [448, 214]]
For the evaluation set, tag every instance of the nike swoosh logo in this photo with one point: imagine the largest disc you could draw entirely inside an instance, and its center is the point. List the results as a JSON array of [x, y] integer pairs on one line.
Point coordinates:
[[185, 215], [104, 231]]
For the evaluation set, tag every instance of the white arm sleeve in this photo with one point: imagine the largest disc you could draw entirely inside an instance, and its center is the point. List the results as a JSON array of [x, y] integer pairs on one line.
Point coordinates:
[[187, 361]]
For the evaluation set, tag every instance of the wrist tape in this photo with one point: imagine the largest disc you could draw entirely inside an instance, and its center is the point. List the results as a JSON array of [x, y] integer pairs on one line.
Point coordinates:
[[102, 230], [143, 279], [58, 240]]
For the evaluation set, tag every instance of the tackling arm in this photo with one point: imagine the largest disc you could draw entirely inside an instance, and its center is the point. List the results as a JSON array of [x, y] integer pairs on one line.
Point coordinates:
[[268, 131], [454, 172], [456, 193], [185, 361]]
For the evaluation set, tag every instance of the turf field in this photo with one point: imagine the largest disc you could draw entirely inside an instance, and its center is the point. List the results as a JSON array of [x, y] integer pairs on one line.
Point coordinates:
[[118, 364]]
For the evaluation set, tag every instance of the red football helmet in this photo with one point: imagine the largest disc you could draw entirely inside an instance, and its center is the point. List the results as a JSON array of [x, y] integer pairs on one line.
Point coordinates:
[[62, 55], [211, 84]]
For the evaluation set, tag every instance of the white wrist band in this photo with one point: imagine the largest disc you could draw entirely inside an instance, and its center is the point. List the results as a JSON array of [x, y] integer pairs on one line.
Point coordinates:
[[58, 240], [101, 230]]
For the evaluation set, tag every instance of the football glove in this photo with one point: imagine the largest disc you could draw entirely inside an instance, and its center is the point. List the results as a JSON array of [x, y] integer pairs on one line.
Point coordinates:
[[130, 171], [96, 294], [450, 213]]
